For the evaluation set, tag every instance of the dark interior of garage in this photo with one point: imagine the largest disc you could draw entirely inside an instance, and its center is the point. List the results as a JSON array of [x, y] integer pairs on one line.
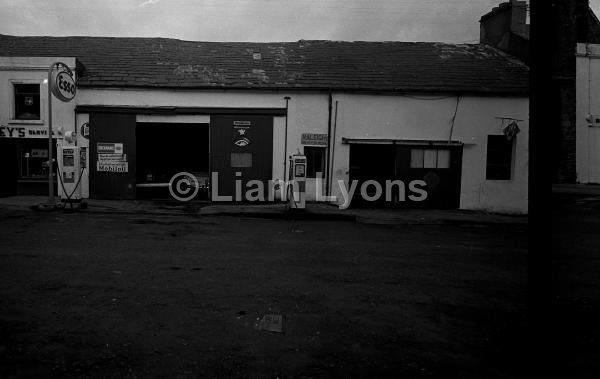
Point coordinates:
[[165, 149]]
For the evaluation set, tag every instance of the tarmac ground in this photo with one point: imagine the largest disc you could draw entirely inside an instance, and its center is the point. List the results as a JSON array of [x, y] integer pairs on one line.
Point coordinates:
[[168, 292]]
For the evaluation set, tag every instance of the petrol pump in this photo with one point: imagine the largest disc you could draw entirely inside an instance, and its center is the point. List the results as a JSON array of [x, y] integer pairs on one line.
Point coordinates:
[[69, 170], [297, 182]]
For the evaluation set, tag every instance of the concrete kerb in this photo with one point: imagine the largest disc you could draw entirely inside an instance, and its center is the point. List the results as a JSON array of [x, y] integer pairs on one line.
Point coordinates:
[[314, 211]]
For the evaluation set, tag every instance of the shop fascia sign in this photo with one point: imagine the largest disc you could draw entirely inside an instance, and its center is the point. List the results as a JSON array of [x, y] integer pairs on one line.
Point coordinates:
[[26, 131]]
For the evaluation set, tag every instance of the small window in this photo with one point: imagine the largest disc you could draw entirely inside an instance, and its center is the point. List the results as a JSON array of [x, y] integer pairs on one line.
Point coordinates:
[[499, 158], [315, 161], [429, 158], [27, 101], [241, 159]]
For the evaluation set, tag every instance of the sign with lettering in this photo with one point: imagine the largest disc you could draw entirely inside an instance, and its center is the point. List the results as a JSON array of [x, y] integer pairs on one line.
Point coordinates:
[[111, 157], [26, 131], [85, 130], [112, 167], [314, 139], [109, 148], [63, 86], [241, 133], [83, 156]]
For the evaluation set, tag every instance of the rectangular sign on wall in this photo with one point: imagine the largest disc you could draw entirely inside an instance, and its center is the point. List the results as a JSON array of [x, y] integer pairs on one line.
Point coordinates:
[[314, 139], [112, 167], [110, 158], [109, 148]]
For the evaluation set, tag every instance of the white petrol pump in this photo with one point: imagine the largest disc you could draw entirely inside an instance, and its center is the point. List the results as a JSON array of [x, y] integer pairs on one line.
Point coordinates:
[[297, 182], [70, 169]]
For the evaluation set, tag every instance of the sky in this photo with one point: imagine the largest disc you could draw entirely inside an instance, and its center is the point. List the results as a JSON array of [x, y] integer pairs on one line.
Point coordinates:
[[453, 21]]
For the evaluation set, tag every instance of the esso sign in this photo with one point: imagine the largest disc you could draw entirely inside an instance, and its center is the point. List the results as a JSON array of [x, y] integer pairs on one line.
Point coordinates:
[[63, 86]]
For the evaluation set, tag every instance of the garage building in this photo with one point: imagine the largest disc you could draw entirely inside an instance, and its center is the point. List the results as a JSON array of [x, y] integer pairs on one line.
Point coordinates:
[[453, 116]]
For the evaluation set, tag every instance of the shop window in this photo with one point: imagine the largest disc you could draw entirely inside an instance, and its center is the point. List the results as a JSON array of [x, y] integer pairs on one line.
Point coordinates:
[[241, 159], [27, 101], [315, 161], [34, 159], [429, 158], [499, 158]]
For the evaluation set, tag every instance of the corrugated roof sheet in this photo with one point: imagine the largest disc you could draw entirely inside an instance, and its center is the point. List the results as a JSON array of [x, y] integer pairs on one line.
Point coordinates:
[[378, 66]]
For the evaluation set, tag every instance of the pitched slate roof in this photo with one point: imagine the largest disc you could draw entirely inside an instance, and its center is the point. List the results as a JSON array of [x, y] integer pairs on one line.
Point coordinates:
[[321, 65]]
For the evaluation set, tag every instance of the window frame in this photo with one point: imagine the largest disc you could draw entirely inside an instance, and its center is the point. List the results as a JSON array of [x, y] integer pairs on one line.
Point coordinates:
[[437, 150], [12, 104]]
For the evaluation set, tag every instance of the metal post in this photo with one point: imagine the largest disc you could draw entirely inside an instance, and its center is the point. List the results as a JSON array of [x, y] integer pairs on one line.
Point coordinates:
[[50, 155]]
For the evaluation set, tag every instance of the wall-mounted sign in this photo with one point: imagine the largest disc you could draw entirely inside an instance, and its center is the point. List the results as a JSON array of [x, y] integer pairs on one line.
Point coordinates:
[[39, 153], [112, 167], [511, 130], [84, 130], [314, 139], [242, 142], [241, 133], [62, 85], [241, 123], [109, 148], [111, 158], [83, 156], [26, 132]]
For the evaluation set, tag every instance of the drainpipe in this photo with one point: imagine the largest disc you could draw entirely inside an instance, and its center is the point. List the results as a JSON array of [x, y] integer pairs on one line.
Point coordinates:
[[333, 144], [287, 99], [327, 173]]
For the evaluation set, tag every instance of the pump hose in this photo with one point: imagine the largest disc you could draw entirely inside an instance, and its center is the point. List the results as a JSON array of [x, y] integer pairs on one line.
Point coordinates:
[[63, 185]]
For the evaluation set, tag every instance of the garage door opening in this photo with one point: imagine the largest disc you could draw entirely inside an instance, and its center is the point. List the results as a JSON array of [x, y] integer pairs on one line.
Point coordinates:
[[436, 168], [165, 149]]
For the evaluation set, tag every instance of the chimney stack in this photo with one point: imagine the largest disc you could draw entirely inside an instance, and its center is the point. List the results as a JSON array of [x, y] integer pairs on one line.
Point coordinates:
[[505, 28]]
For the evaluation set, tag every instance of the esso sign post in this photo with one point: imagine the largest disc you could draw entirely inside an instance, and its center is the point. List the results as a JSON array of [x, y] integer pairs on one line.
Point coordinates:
[[63, 85]]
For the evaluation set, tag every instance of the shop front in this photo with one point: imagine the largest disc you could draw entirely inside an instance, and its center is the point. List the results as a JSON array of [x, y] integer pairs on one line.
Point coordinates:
[[24, 157]]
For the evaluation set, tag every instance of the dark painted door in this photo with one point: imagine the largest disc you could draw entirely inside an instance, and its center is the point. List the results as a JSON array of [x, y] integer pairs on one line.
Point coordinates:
[[107, 129], [242, 145], [439, 167]]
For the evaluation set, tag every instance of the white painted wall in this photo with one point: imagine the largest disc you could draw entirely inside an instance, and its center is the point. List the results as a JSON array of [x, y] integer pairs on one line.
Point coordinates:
[[371, 116], [428, 118], [33, 70], [587, 104]]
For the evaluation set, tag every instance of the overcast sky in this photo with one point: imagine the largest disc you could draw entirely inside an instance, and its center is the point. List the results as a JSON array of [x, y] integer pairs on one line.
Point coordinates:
[[454, 21]]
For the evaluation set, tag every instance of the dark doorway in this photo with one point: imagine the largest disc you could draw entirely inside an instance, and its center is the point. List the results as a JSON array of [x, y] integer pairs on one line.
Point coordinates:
[[438, 167], [165, 149], [9, 168]]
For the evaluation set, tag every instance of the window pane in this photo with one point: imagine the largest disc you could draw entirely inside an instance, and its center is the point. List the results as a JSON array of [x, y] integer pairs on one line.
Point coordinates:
[[241, 159], [27, 101], [430, 158], [443, 159], [416, 158]]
